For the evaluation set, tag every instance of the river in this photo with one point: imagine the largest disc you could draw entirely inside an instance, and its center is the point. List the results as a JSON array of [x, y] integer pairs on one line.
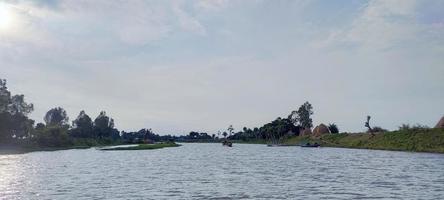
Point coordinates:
[[211, 171]]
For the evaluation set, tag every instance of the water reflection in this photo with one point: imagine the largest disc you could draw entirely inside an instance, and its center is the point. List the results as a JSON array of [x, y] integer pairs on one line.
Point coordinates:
[[210, 171]]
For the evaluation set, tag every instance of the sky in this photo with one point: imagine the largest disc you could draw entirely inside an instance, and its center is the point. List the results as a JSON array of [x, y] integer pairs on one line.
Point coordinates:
[[180, 66]]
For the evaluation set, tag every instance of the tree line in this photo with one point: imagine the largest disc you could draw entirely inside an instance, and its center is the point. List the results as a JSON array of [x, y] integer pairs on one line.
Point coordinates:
[[16, 128], [292, 125]]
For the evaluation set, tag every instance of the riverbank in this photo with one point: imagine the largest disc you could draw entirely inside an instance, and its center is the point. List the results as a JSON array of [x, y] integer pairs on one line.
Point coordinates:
[[22, 150], [421, 140], [143, 147], [77, 143]]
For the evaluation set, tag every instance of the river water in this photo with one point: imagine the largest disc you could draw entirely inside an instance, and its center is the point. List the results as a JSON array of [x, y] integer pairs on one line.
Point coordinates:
[[210, 171]]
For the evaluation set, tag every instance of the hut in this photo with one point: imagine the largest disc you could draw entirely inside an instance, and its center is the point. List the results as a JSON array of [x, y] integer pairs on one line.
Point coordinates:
[[440, 124], [321, 129]]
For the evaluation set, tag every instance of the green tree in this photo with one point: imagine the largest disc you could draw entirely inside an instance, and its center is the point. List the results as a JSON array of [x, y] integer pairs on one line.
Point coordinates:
[[82, 126], [333, 128], [52, 136], [56, 117], [304, 115], [104, 126], [14, 123], [230, 129]]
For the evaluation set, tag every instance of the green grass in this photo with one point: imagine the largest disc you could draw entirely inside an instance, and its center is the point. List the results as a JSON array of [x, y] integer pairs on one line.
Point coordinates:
[[253, 141], [423, 140], [143, 147], [21, 150]]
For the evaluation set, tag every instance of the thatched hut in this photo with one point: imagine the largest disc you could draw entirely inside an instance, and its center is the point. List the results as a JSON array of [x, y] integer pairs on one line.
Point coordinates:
[[440, 124], [321, 129], [305, 131]]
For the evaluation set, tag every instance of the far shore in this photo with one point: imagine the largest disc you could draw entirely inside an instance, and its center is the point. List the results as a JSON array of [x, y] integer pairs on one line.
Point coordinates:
[[143, 146], [421, 140]]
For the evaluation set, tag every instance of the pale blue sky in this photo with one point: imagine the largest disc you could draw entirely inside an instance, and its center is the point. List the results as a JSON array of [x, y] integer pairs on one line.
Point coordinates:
[[177, 66]]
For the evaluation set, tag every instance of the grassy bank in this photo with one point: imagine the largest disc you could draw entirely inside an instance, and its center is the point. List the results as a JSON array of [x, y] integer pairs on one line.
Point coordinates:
[[21, 150], [421, 140], [76, 143], [143, 147]]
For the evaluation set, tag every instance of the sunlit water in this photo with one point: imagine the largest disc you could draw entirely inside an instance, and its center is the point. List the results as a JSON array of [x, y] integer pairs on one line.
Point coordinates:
[[210, 171]]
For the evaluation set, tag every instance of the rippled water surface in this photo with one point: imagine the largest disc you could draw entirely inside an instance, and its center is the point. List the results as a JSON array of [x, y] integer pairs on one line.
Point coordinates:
[[210, 171]]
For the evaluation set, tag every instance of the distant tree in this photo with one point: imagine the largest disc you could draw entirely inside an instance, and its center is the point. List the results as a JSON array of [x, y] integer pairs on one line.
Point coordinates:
[[56, 117], [333, 128], [104, 126], [194, 135], [39, 126], [377, 129], [213, 136], [14, 123], [230, 129], [367, 124], [293, 117], [5, 96], [245, 129], [52, 136], [18, 105], [304, 115], [417, 127], [225, 134], [82, 126]]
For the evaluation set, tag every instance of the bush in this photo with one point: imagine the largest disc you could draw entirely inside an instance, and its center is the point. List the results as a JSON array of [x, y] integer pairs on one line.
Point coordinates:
[[377, 129], [333, 128], [53, 136], [414, 128]]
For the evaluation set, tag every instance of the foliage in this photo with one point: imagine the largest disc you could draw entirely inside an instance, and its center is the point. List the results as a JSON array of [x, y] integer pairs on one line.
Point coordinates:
[[82, 126], [56, 117], [377, 129], [273, 131], [416, 127], [52, 136], [14, 123], [140, 136], [104, 127], [426, 140], [333, 128], [367, 124], [304, 115], [230, 130]]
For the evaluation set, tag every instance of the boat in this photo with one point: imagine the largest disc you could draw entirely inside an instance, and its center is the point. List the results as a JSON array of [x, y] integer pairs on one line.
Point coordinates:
[[281, 145], [310, 145], [227, 143]]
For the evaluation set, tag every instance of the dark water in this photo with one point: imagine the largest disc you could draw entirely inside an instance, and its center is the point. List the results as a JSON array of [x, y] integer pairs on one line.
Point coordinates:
[[210, 171]]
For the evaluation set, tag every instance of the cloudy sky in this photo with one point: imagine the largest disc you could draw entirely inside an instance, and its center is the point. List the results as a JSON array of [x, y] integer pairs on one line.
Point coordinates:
[[177, 66]]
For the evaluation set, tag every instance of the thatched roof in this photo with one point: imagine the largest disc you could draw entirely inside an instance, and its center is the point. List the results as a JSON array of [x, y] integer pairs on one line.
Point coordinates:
[[320, 130], [305, 131], [440, 124]]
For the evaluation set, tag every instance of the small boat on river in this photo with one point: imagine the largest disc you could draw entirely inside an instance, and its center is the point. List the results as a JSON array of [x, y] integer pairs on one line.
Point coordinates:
[[281, 145], [227, 143], [310, 145]]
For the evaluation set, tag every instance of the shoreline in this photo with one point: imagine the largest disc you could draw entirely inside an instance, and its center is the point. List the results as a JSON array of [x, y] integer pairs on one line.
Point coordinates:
[[420, 140], [142, 147], [424, 141]]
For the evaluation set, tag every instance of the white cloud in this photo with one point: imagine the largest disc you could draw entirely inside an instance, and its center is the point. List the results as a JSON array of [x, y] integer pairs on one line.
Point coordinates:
[[187, 22], [211, 5], [382, 24], [181, 66]]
